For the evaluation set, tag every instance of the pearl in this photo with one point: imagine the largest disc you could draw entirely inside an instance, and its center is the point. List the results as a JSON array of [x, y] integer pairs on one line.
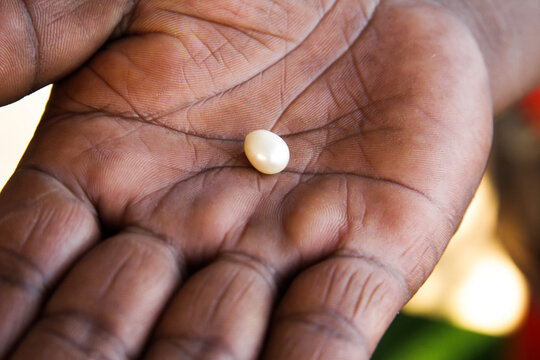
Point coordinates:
[[266, 151]]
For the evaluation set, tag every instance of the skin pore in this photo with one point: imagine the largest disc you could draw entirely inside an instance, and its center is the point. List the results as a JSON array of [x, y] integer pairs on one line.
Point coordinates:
[[134, 227]]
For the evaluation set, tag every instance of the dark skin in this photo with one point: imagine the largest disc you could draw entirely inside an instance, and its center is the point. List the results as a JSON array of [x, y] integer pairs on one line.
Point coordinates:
[[134, 227]]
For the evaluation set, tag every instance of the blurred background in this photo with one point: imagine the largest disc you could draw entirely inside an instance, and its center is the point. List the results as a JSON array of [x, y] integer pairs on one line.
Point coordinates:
[[477, 304]]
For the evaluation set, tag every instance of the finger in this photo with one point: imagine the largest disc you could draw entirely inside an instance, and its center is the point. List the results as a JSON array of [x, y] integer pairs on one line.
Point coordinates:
[[43, 228], [221, 312], [341, 307], [337, 309], [107, 304], [43, 40]]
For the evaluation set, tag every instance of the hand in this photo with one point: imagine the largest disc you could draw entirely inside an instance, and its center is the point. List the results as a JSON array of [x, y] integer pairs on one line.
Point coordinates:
[[134, 226]]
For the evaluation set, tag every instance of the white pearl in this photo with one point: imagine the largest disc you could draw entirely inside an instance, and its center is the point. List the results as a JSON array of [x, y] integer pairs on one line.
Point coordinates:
[[266, 151]]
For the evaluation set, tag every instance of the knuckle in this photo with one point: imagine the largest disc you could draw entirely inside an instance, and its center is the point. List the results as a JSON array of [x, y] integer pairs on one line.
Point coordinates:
[[191, 347], [325, 322], [256, 265], [382, 269], [78, 333], [19, 271]]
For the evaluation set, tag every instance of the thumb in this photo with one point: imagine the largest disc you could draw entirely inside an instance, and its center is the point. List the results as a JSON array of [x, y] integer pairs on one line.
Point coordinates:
[[42, 40]]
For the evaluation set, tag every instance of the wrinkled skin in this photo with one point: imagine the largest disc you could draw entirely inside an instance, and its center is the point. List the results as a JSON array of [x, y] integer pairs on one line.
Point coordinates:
[[135, 227]]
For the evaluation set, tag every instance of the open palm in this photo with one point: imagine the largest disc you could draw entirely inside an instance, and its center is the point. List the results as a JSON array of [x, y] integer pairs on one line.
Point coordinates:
[[135, 227]]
